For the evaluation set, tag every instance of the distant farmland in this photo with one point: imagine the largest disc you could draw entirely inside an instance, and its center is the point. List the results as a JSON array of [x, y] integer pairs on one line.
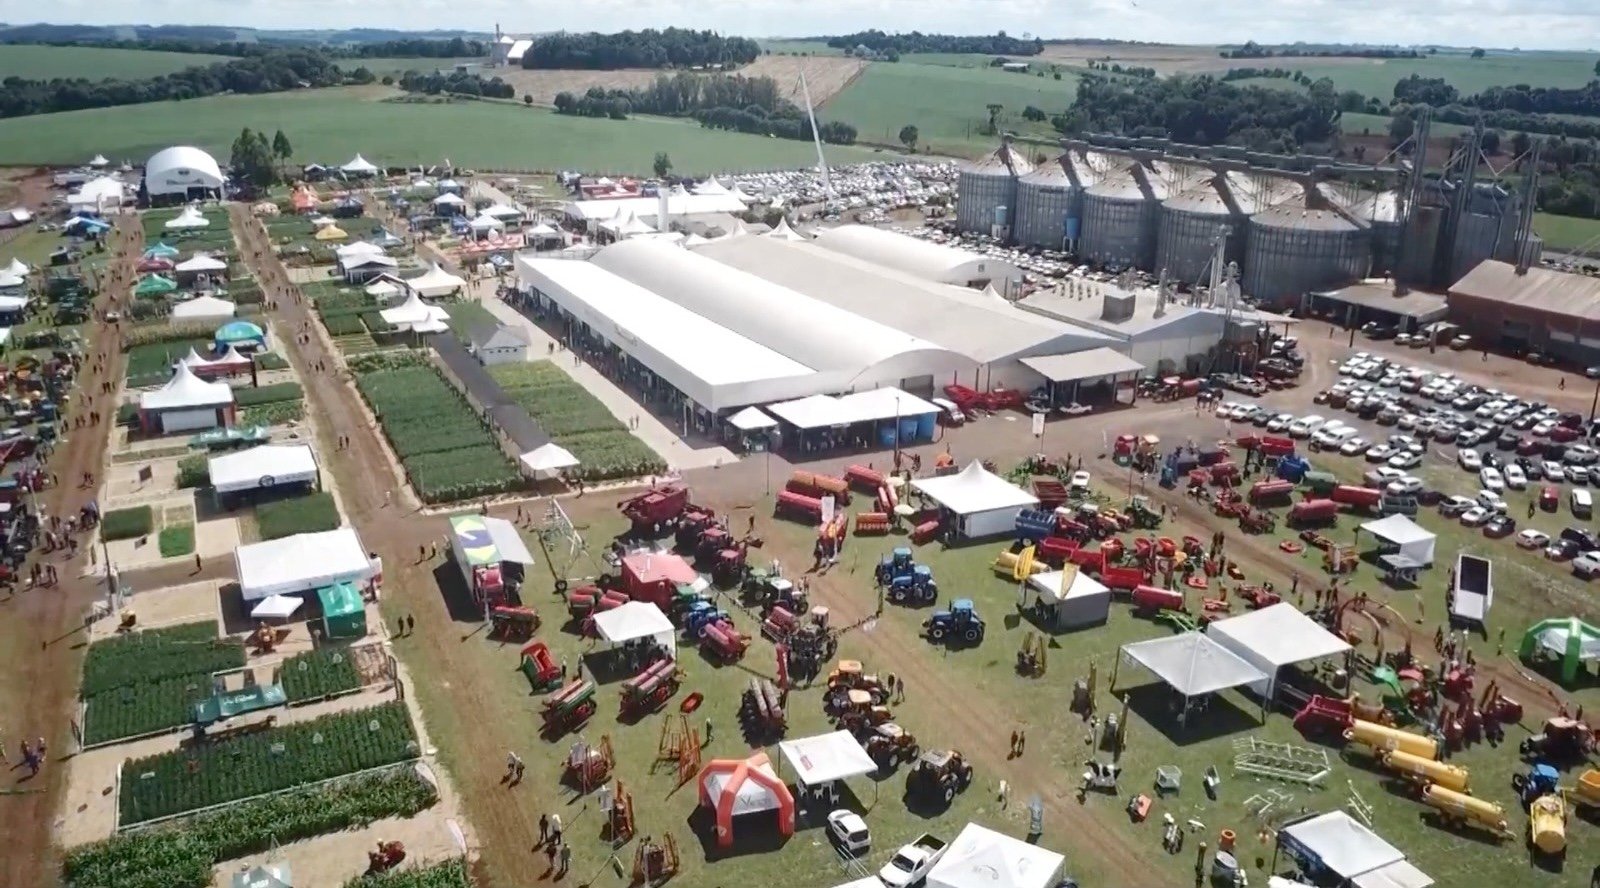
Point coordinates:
[[825, 77], [331, 125], [93, 63]]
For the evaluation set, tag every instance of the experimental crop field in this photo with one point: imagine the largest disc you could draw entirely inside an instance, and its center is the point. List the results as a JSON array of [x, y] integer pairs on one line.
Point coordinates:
[[93, 62], [577, 421], [447, 450], [316, 674], [313, 513], [265, 762], [146, 682]]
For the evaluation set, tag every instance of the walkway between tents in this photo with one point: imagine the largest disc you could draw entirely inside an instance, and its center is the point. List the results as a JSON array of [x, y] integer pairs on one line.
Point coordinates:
[[503, 412]]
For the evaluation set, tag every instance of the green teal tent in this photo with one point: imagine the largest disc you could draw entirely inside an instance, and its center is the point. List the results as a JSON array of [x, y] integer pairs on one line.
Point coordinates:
[[154, 285], [1569, 638], [344, 614], [161, 250], [221, 706], [228, 437], [239, 333]]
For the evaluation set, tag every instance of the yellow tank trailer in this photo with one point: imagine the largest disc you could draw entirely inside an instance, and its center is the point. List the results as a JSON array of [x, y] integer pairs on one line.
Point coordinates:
[[1384, 738], [1424, 771], [1547, 824], [1005, 565], [1458, 807]]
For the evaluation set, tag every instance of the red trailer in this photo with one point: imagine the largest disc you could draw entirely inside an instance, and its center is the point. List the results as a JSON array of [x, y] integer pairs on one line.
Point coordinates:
[[964, 397], [1225, 473], [1055, 551], [813, 484], [1268, 491], [656, 510], [1314, 511], [1122, 578], [1004, 399], [645, 692], [799, 507], [723, 642], [865, 479], [1350, 495], [1154, 598], [1276, 446]]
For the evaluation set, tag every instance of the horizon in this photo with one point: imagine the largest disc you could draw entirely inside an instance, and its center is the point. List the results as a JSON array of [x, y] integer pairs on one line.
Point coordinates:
[[1542, 25]]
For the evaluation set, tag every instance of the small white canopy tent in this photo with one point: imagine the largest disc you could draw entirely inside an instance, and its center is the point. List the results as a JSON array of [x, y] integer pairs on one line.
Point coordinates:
[[10, 281], [276, 607], [185, 389], [301, 563], [449, 200], [979, 857], [826, 758], [542, 230], [262, 467], [189, 218], [1068, 599], [17, 267], [201, 263], [487, 223], [633, 621], [984, 503], [627, 225], [502, 211], [1342, 845], [1275, 637], [784, 233], [1403, 533], [548, 459], [751, 419], [383, 288], [203, 307], [99, 161], [414, 314], [435, 282], [710, 186], [1192, 663], [359, 166]]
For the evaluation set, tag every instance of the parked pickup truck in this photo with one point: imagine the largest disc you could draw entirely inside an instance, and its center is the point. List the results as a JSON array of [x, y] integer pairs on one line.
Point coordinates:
[[911, 864]]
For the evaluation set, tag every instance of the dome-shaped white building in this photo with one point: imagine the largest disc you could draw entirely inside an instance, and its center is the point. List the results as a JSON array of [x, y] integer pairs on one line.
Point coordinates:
[[181, 171]]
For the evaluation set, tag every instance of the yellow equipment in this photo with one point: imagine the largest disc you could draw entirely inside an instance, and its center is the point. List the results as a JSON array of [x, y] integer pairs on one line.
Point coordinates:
[[1461, 808], [1006, 566], [1547, 824], [1420, 770], [1383, 737], [1024, 566]]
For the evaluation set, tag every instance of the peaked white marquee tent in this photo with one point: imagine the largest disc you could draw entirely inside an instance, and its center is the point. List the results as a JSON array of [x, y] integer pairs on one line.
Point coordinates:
[[983, 503], [1274, 637], [185, 389], [784, 232], [1404, 534], [191, 217], [979, 857], [1193, 664], [359, 166], [414, 314], [633, 621], [751, 419], [17, 267], [435, 282]]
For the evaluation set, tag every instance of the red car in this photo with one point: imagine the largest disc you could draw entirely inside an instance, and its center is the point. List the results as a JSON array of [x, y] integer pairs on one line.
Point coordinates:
[[1564, 434], [1529, 446], [1550, 499]]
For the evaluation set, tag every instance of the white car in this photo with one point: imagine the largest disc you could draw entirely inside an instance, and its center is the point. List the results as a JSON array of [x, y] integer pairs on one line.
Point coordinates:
[[1469, 459], [1388, 473], [1491, 479], [1233, 410], [1474, 516], [1408, 421], [1381, 453], [1587, 565], [1076, 409], [1543, 427], [1410, 485], [1305, 426], [1516, 479], [1407, 460], [849, 831], [1491, 500], [1455, 505], [1553, 471], [1533, 539], [1582, 455], [1080, 481], [1578, 474], [1280, 423], [1354, 446]]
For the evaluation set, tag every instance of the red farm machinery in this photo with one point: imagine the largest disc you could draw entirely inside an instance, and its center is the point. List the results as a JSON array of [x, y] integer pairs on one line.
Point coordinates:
[[650, 689]]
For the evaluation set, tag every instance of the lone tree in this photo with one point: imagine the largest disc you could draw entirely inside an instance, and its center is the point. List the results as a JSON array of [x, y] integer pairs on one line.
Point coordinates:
[[663, 164], [1478, 53], [1597, 69], [281, 148], [994, 117], [251, 158], [909, 136]]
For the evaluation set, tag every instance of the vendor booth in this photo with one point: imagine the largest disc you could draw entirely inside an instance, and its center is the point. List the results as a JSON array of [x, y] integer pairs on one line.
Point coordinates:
[[1337, 846], [753, 428], [819, 763], [416, 315], [490, 553], [881, 417], [1066, 599], [634, 622], [301, 563], [737, 787], [977, 503], [1569, 639], [548, 460], [202, 308], [186, 403], [1192, 664], [979, 857], [242, 335], [435, 282], [272, 467], [276, 607], [344, 614], [1274, 637], [1401, 536]]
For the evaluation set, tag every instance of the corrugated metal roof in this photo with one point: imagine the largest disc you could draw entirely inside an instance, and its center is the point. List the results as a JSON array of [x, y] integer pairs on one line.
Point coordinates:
[[1256, 192], [1374, 206], [1302, 219], [1540, 289], [1052, 172], [1205, 197], [1121, 184], [1003, 161]]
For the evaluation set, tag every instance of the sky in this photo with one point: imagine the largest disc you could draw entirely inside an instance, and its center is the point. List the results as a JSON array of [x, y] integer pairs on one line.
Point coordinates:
[[1525, 24]]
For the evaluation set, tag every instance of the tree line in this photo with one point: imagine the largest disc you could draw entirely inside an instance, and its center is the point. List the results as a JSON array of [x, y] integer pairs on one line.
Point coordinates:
[[1254, 50], [1204, 110], [670, 48], [453, 82], [916, 41], [719, 101], [275, 70], [410, 48]]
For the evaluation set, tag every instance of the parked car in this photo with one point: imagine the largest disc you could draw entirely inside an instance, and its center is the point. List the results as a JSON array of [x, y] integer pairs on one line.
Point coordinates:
[[1474, 516], [1549, 499], [1406, 460], [1499, 525], [1461, 343], [1581, 501], [1354, 446], [1305, 426], [1553, 471], [1577, 474], [849, 831], [1491, 500], [1587, 564], [1491, 479], [1410, 485], [1381, 453], [1561, 550], [1532, 539], [1280, 423], [1515, 478], [1452, 506], [1469, 459]]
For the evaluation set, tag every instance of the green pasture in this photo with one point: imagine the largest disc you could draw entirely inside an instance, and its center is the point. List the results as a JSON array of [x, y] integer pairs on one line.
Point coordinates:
[[1377, 77], [94, 63], [340, 122], [946, 104], [1566, 232]]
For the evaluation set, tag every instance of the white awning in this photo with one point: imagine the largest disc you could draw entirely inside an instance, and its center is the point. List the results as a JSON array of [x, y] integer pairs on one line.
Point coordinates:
[[186, 390], [383, 287], [506, 540], [750, 419], [1089, 364], [503, 211], [1414, 542], [633, 621], [979, 857], [1347, 847], [201, 262], [549, 458], [1274, 637], [822, 411], [1192, 663], [826, 758], [542, 230], [263, 467], [1400, 874], [276, 607], [9, 281], [301, 563], [204, 307], [974, 489]]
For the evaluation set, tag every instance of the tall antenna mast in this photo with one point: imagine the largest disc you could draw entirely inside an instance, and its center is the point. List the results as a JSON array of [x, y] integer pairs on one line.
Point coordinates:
[[816, 137]]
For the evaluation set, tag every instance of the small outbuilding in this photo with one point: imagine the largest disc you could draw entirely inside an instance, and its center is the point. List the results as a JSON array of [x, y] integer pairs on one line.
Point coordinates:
[[186, 403], [976, 502], [495, 344], [344, 613], [1066, 599]]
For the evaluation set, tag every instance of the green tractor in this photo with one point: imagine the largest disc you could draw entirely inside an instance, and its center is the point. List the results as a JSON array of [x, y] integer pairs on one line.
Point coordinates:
[[1143, 516]]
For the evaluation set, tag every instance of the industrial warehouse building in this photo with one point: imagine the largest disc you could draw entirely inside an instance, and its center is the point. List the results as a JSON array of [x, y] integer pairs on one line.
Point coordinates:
[[1520, 308], [182, 173]]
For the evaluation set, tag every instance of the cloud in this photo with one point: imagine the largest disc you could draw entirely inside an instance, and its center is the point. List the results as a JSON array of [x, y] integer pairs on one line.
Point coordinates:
[[1528, 24]]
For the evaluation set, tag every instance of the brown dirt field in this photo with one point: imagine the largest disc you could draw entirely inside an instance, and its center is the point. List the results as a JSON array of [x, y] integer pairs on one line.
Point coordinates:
[[1165, 59], [826, 76]]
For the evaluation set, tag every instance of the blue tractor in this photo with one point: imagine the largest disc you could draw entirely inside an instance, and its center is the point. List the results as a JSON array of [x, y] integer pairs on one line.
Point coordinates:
[[960, 623], [895, 565], [699, 615], [916, 587], [1541, 780]]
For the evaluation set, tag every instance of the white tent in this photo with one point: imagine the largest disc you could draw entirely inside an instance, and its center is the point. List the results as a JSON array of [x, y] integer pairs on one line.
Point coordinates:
[[359, 166], [627, 225], [1275, 637], [1343, 845], [1400, 531], [9, 281], [551, 457], [985, 503], [633, 621], [785, 233], [502, 211], [99, 161], [1192, 663], [542, 230], [979, 857], [487, 223], [750, 419], [825, 758], [258, 468], [322, 221], [1067, 598], [710, 186], [435, 282], [16, 267], [276, 607], [189, 218], [739, 230], [201, 262], [449, 200], [301, 563], [383, 288], [203, 307], [99, 193], [358, 250], [185, 389], [752, 797], [416, 315]]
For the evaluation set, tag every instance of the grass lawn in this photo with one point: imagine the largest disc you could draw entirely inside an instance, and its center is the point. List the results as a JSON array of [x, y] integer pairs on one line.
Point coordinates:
[[95, 63], [467, 316], [1377, 77], [32, 246], [946, 104], [337, 123], [1565, 232]]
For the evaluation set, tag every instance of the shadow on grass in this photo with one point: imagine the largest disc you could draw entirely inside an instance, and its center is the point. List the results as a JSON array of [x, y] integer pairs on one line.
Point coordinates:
[[455, 594], [1221, 718], [752, 834]]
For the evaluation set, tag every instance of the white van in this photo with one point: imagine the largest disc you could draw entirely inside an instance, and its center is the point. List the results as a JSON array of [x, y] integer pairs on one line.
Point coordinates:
[[949, 413], [1582, 502], [1333, 437]]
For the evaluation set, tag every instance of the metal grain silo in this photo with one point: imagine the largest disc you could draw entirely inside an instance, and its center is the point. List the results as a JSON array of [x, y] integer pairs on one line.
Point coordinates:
[[1477, 239], [1192, 222], [1422, 245], [986, 189], [1293, 250], [1046, 199], [1120, 214]]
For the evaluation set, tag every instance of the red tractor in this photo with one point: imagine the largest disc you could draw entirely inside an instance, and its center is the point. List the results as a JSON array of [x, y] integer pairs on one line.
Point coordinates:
[[647, 691], [657, 510], [691, 524]]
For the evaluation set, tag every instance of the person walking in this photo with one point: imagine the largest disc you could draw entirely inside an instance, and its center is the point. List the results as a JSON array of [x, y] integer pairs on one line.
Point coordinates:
[[566, 860], [544, 828], [555, 830], [706, 740]]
